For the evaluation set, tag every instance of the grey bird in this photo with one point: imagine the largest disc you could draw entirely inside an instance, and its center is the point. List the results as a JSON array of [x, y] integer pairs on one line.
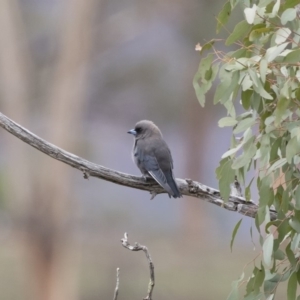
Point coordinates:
[[153, 157]]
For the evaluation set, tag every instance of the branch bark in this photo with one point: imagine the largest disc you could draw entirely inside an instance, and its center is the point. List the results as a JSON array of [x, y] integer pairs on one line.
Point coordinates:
[[117, 285], [138, 247], [187, 187]]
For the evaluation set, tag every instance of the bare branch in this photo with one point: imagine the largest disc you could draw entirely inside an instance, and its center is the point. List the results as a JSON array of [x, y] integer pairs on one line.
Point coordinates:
[[117, 285], [138, 247], [187, 187]]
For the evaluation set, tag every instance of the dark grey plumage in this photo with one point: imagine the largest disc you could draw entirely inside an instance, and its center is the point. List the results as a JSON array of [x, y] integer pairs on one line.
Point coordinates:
[[153, 157]]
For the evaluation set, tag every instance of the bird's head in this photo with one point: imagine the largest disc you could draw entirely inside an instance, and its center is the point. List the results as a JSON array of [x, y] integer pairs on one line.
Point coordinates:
[[144, 129]]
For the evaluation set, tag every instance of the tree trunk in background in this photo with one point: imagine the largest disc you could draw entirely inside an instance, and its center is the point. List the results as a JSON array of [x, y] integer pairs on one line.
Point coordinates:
[[64, 114], [14, 76], [46, 201]]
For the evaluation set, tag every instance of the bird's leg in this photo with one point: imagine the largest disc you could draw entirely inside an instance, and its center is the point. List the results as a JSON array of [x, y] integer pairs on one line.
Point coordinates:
[[147, 177], [153, 194]]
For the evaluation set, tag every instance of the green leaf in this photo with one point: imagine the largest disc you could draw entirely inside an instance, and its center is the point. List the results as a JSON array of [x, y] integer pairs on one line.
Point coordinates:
[[295, 242], [289, 3], [258, 32], [229, 81], [248, 191], [223, 16], [273, 52], [247, 83], [200, 94], [253, 76], [297, 198], [268, 250], [282, 34], [207, 46], [262, 92], [250, 13], [292, 287], [240, 162], [225, 175], [274, 150], [288, 15], [234, 3], [263, 68], [275, 9], [290, 255], [298, 276], [279, 255], [283, 230], [292, 57], [206, 74], [254, 284], [280, 110], [292, 148], [277, 164], [246, 99], [234, 232], [243, 125], [227, 121], [232, 151], [234, 294], [295, 224], [239, 31], [259, 278]]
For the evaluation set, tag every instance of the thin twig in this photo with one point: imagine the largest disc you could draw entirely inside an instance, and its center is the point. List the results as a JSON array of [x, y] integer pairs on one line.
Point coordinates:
[[187, 187], [138, 247], [117, 285]]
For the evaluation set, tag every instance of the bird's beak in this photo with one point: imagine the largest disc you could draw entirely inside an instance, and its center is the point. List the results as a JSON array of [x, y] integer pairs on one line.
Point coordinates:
[[132, 131]]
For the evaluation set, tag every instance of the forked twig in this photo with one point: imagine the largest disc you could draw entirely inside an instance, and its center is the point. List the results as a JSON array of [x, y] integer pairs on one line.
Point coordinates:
[[138, 247]]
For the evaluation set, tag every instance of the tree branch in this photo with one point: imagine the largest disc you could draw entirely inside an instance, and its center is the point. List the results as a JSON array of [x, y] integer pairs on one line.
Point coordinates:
[[138, 247], [117, 285], [187, 187]]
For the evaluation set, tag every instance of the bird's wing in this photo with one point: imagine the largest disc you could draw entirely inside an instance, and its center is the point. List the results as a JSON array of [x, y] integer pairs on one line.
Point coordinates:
[[153, 168]]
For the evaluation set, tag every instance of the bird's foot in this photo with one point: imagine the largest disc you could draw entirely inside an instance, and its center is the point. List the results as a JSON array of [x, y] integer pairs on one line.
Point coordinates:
[[147, 178], [153, 194]]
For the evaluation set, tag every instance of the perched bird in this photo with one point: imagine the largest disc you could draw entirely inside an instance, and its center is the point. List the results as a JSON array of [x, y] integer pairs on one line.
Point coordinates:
[[153, 157]]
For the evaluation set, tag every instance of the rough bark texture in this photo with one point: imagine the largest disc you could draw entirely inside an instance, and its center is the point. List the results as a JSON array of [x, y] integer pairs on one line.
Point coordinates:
[[187, 187]]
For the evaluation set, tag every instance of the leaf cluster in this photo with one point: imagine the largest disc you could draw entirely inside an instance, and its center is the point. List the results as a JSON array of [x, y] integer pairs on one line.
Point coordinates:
[[263, 76]]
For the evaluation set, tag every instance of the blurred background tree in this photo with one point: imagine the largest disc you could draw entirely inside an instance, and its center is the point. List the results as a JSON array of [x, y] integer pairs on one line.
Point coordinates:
[[80, 74]]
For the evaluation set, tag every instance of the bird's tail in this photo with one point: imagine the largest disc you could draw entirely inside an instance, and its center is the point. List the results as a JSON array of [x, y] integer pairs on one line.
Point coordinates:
[[173, 185]]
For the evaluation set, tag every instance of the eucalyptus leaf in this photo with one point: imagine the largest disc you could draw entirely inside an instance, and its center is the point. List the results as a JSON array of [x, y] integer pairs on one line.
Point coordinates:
[[277, 164], [234, 294], [227, 121], [288, 15], [275, 9], [263, 69], [223, 16], [234, 232], [295, 224], [297, 198], [282, 34], [239, 31], [225, 175], [292, 148], [273, 52], [268, 250], [232, 151], [292, 57], [250, 13], [292, 287], [281, 109], [243, 125]]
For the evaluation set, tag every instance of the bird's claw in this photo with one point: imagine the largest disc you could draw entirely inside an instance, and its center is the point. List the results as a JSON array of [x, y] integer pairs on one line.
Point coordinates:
[[153, 194]]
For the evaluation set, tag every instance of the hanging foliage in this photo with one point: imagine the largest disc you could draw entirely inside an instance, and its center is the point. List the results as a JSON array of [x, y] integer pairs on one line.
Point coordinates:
[[263, 76]]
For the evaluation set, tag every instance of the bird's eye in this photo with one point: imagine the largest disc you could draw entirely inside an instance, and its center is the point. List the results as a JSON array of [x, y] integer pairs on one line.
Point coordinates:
[[138, 129]]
